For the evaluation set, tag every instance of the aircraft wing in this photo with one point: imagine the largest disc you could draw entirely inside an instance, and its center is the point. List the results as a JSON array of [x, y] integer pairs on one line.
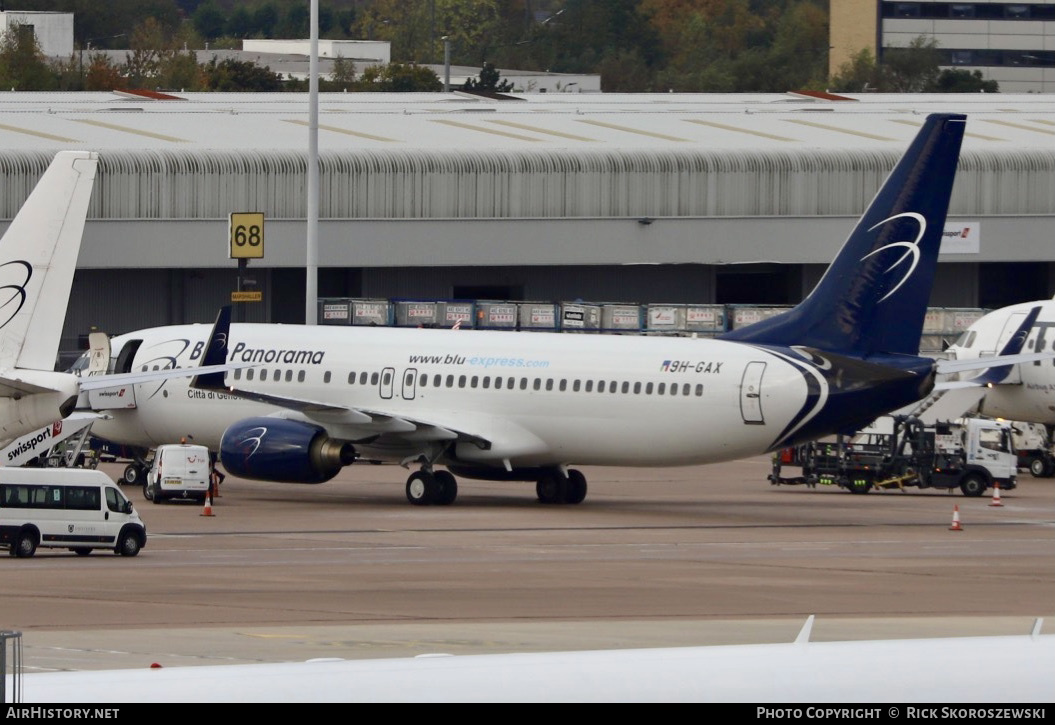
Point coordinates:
[[16, 387], [100, 382], [945, 367], [361, 423]]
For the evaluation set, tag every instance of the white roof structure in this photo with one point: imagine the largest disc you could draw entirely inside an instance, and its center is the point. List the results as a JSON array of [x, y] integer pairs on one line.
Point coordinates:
[[454, 121]]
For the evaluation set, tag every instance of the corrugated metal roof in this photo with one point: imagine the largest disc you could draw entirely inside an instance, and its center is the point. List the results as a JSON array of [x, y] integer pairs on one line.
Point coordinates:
[[279, 121]]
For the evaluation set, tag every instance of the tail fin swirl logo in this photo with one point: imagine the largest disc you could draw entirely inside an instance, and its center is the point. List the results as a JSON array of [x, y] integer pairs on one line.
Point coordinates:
[[16, 290], [911, 249]]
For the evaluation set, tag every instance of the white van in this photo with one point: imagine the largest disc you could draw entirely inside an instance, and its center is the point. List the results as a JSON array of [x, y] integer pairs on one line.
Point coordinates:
[[69, 508], [179, 470]]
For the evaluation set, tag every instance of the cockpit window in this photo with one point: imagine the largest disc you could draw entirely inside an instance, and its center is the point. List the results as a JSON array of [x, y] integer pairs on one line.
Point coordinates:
[[966, 339], [80, 364]]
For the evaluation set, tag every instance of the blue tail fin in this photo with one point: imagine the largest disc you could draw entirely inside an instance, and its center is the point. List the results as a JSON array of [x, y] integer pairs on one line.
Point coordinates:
[[216, 352], [1013, 346], [874, 296]]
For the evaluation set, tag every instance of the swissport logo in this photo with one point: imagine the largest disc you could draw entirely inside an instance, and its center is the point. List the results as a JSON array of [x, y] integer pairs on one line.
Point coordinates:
[[14, 276], [911, 253]]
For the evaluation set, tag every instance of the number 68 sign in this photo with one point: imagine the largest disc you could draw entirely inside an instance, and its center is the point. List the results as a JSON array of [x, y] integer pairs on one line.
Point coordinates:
[[245, 233]]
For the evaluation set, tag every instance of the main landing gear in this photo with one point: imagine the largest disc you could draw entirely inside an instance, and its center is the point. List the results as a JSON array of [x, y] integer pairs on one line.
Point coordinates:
[[556, 487], [427, 487]]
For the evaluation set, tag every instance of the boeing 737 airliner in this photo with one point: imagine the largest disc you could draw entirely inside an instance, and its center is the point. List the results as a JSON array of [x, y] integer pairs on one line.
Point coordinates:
[[527, 407]]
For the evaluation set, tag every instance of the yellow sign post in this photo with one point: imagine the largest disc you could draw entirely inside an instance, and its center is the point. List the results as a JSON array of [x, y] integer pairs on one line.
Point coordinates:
[[246, 235]]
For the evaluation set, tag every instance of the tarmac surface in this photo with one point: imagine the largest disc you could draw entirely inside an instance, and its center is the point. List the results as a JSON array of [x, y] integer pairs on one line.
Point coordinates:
[[653, 557]]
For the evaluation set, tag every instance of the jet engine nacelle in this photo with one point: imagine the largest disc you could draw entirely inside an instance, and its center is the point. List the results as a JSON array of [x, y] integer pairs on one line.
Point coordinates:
[[287, 451]]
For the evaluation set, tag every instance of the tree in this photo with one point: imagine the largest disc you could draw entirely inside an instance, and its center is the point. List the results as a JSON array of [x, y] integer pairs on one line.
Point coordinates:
[[22, 63], [180, 71], [910, 69], [399, 78], [857, 74], [102, 74], [237, 75], [343, 73], [143, 63], [265, 18], [239, 23], [209, 20], [914, 68], [964, 81], [488, 82]]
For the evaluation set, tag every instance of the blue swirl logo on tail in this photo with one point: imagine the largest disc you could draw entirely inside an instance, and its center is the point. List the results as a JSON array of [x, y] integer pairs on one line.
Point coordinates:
[[16, 290], [911, 252]]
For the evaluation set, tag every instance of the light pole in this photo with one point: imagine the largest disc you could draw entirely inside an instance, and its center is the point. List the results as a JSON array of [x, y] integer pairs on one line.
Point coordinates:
[[311, 301], [446, 64]]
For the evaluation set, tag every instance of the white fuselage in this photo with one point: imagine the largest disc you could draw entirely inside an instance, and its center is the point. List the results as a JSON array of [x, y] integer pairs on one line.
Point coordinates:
[[536, 397], [1028, 394]]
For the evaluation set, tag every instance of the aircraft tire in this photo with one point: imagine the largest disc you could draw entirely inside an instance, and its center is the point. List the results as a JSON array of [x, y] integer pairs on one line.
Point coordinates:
[[447, 486], [421, 488], [575, 492], [552, 488]]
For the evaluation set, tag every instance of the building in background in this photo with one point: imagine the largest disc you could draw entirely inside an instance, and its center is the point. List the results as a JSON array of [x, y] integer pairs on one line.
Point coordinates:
[[53, 31], [1012, 43]]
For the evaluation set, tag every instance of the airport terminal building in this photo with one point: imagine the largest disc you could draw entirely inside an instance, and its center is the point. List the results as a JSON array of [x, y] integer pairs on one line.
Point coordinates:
[[644, 199]]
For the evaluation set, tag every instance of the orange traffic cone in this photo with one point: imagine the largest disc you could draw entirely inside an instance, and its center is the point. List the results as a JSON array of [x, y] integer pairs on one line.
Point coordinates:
[[996, 495], [956, 519], [207, 511]]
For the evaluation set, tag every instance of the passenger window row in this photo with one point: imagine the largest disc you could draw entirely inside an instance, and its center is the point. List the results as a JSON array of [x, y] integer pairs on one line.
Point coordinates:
[[487, 382], [82, 498]]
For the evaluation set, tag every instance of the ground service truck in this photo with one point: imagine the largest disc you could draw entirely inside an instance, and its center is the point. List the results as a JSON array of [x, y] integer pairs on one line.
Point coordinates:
[[972, 454]]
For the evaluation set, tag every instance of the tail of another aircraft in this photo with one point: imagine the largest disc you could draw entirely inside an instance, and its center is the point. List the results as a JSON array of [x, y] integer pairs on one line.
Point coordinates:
[[38, 256], [874, 296]]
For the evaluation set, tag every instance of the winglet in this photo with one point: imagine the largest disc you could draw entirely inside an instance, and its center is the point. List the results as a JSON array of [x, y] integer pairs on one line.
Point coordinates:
[[215, 353], [807, 629]]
